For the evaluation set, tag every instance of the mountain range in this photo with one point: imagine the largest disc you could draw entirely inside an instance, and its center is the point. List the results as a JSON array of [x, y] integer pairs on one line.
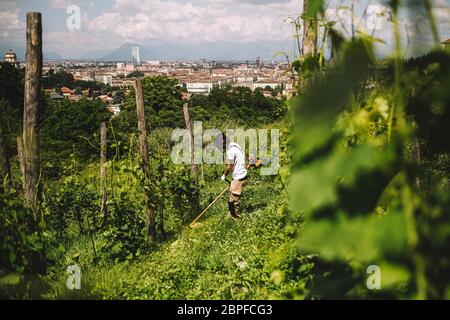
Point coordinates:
[[21, 53], [210, 51], [219, 51]]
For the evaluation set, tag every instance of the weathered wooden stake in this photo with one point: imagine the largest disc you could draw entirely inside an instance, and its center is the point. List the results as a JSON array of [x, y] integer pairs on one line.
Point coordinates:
[[309, 32], [5, 170], [143, 151], [202, 172], [187, 120], [30, 137], [103, 173], [20, 156], [416, 154]]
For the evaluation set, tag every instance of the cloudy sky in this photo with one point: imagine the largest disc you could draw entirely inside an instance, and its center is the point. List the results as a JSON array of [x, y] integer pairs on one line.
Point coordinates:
[[107, 24]]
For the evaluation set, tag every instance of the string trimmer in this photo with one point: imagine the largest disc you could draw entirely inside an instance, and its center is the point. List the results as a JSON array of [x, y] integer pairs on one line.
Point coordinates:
[[210, 205]]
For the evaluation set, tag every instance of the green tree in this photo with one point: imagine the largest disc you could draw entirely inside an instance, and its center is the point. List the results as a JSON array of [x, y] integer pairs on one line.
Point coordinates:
[[162, 102], [11, 110], [71, 127], [119, 97], [58, 80], [135, 74]]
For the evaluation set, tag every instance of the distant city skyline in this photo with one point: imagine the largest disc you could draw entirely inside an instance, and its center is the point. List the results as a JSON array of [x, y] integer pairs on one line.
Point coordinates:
[[107, 25]]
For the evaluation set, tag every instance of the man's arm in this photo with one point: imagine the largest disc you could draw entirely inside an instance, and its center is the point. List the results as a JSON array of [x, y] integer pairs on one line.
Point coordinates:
[[227, 171]]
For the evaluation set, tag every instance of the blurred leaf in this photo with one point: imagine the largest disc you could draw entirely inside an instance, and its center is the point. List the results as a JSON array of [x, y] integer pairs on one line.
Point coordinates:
[[317, 110], [366, 239], [393, 275], [10, 280], [315, 185]]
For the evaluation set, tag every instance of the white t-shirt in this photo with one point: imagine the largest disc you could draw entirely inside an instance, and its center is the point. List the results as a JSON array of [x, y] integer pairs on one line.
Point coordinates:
[[236, 156]]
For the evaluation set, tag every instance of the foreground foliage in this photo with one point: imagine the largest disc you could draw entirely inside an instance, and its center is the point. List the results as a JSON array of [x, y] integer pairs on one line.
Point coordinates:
[[366, 175]]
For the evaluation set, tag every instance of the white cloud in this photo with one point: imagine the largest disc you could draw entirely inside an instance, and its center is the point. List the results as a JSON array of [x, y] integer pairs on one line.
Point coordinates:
[[59, 4], [139, 20], [197, 21], [12, 28], [194, 21]]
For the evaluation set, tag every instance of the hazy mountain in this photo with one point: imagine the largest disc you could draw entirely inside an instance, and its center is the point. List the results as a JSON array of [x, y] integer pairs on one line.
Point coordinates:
[[210, 51], [219, 50], [122, 53], [21, 54], [52, 56], [96, 55]]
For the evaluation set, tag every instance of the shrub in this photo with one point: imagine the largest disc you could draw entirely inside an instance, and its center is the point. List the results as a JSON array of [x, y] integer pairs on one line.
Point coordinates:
[[24, 249], [126, 232]]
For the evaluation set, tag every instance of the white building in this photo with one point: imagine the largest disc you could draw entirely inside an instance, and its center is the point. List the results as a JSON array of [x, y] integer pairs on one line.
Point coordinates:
[[199, 87], [105, 79], [87, 78], [136, 55], [11, 57], [123, 83], [245, 79]]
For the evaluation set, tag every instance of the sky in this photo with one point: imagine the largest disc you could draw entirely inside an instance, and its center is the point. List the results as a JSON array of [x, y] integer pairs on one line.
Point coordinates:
[[107, 24]]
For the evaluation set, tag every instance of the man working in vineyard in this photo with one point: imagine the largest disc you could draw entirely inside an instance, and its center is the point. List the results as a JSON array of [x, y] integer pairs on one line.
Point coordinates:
[[235, 161]]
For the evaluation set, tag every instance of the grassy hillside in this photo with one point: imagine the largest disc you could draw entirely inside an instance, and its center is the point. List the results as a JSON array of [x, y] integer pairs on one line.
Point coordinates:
[[360, 207], [217, 259]]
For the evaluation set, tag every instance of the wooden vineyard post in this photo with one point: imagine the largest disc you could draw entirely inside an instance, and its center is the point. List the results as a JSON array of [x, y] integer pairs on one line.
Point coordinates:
[[143, 152], [202, 173], [195, 189], [309, 32], [20, 156], [30, 134], [416, 154], [187, 120], [5, 172], [103, 173]]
